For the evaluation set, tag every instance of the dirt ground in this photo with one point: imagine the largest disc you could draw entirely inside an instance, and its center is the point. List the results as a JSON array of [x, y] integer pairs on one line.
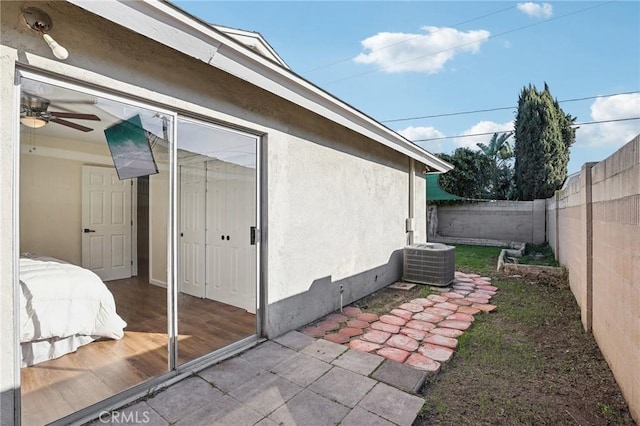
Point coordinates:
[[529, 362]]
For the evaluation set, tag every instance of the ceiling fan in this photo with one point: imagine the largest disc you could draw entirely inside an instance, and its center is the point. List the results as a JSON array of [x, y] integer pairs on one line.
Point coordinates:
[[34, 113]]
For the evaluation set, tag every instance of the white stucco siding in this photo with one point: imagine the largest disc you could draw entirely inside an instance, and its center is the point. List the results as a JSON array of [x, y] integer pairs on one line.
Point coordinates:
[[332, 214], [9, 375], [420, 203]]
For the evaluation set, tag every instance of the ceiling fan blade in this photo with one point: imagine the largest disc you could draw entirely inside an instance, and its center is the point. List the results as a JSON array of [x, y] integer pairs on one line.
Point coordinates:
[[70, 124], [74, 115]]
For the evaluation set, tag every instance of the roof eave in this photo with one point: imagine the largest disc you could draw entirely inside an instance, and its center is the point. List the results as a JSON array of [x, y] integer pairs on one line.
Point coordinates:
[[172, 27]]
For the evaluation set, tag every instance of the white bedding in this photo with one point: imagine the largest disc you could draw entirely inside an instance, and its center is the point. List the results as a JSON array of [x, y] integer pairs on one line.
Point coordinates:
[[61, 307]]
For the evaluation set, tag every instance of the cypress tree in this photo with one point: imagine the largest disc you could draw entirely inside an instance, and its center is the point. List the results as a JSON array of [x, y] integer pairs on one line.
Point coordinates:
[[543, 135]]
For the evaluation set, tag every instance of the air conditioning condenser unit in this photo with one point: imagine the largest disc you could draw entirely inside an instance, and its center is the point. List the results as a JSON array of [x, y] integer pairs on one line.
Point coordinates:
[[429, 263]]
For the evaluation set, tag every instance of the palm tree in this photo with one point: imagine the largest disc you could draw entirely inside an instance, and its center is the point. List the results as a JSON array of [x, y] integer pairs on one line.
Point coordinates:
[[499, 151]]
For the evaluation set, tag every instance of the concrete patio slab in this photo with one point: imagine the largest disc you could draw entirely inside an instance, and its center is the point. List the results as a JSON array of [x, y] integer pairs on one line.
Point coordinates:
[[309, 409], [266, 392], [230, 374], [401, 376], [392, 404], [184, 397], [324, 350], [267, 355], [222, 412], [301, 369], [343, 386], [359, 417], [358, 361], [295, 340], [138, 413]]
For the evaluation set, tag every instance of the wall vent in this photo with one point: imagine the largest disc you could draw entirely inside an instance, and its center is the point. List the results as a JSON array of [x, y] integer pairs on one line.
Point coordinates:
[[429, 263]]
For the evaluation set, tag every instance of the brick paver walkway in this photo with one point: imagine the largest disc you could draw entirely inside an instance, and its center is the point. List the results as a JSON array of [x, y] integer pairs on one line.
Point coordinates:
[[421, 333]]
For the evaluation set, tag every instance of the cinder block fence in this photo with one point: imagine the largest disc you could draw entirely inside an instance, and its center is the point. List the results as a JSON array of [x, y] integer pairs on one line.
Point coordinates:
[[593, 225]]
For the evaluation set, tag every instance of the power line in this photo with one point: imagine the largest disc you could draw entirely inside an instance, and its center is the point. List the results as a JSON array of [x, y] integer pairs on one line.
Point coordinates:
[[449, 114], [476, 41], [413, 38], [511, 130]]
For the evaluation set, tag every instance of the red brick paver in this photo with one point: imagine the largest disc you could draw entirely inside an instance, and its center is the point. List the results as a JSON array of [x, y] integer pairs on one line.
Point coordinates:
[[376, 336], [363, 346], [424, 302], [435, 352], [423, 363], [436, 339], [356, 323], [351, 311], [394, 354], [413, 333], [422, 332], [447, 332], [403, 342], [405, 315], [412, 307], [421, 325], [351, 331], [393, 320], [387, 328], [368, 317], [337, 337]]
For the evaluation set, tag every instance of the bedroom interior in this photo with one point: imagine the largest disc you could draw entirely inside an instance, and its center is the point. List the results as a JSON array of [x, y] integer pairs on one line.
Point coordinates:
[[77, 218]]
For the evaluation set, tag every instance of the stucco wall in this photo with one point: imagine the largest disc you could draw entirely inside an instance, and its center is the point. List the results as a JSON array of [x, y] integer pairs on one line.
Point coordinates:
[[522, 221], [9, 373], [336, 216], [599, 242]]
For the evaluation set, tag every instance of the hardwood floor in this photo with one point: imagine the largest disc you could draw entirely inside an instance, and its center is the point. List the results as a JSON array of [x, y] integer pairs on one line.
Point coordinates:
[[58, 387]]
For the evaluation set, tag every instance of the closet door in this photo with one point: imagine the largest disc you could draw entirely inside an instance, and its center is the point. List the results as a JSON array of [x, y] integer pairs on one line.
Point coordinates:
[[192, 228], [231, 212]]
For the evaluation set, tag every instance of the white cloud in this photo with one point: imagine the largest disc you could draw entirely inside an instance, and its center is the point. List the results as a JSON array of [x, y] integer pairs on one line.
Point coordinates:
[[417, 133], [488, 127], [614, 134], [401, 52], [536, 10]]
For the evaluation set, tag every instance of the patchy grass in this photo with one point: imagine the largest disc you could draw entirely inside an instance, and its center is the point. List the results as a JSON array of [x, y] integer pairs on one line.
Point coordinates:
[[530, 362], [477, 259]]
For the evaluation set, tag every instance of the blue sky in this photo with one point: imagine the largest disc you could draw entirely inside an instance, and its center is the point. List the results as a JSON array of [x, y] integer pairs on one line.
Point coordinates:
[[404, 59]]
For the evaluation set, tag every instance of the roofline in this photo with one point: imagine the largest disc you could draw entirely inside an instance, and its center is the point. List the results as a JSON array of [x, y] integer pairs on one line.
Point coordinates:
[[254, 34], [171, 26]]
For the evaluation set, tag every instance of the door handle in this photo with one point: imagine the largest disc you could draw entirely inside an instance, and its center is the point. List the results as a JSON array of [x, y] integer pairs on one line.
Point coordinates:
[[87, 230], [254, 235]]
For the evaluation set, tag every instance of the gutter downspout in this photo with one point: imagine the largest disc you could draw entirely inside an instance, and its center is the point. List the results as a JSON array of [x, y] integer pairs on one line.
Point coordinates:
[[410, 219]]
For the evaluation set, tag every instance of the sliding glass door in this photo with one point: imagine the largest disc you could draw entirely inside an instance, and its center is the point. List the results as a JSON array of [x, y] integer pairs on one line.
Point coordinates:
[[137, 254], [217, 248]]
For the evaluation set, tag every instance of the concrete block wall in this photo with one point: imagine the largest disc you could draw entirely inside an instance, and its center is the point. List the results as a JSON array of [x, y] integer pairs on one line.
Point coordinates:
[[522, 221], [598, 240]]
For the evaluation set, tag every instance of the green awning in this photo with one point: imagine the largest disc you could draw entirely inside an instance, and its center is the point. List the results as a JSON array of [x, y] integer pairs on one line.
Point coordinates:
[[436, 193]]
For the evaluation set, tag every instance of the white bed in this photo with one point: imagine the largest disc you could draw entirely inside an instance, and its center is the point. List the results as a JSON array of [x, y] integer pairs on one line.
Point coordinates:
[[62, 307]]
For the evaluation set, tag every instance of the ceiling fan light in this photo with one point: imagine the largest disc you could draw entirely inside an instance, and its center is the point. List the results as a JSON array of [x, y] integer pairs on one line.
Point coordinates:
[[33, 122]]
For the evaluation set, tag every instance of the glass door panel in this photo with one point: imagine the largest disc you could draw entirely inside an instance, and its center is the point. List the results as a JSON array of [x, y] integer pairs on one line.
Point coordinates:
[[94, 219], [217, 257]]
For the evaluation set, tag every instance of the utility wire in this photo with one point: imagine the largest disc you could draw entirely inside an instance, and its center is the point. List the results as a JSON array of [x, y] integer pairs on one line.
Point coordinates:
[[412, 38], [511, 130], [449, 114], [476, 41]]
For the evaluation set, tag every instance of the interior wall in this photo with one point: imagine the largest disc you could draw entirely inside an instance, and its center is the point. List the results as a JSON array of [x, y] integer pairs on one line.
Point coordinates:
[[51, 194]]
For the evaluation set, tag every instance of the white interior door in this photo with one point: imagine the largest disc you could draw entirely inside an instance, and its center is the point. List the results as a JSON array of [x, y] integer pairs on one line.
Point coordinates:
[[192, 228], [231, 212], [106, 223]]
